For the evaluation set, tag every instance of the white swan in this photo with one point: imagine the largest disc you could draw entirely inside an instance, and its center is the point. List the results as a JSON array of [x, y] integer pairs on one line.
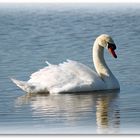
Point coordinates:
[[72, 76]]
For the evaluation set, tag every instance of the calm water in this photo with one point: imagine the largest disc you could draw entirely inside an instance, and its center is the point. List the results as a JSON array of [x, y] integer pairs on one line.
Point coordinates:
[[32, 34]]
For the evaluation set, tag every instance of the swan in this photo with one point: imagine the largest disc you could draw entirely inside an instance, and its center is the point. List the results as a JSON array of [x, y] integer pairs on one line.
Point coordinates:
[[72, 76]]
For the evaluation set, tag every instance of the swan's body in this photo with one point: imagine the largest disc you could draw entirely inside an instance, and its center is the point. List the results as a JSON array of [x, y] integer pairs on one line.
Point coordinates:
[[72, 76]]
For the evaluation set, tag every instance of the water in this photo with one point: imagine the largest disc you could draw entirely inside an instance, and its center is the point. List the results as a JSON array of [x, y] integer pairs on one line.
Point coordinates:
[[31, 34]]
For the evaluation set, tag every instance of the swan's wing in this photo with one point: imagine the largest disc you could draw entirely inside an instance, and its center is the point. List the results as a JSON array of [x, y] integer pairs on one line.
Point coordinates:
[[69, 76]]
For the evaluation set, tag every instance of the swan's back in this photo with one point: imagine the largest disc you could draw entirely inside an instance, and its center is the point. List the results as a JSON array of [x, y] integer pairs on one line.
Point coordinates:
[[69, 76]]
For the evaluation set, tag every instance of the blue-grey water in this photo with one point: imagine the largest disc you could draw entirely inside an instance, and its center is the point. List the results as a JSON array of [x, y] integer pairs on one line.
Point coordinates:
[[30, 34]]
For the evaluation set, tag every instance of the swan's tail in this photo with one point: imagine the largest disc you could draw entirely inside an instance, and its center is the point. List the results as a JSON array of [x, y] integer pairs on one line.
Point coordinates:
[[28, 87], [24, 86]]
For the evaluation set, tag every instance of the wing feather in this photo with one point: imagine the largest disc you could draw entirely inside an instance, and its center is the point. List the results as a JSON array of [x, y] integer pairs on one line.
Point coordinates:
[[68, 76]]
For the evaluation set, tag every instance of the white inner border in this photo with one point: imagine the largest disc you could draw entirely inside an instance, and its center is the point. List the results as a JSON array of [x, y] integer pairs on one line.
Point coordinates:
[[69, 1]]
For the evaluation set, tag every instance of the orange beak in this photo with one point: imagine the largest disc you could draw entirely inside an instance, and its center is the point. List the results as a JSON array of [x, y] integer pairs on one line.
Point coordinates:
[[111, 50]]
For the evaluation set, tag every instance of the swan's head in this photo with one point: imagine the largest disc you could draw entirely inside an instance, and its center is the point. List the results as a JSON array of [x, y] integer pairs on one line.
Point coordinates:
[[106, 41]]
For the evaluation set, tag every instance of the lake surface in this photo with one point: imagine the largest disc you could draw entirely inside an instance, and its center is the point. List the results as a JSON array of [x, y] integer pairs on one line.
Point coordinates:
[[30, 34]]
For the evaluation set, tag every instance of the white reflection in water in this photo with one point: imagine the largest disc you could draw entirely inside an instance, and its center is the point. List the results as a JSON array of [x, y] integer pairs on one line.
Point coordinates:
[[99, 110], [107, 114]]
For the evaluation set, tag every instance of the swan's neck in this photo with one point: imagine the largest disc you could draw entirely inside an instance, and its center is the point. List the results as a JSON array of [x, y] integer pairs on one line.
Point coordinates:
[[99, 62], [102, 69]]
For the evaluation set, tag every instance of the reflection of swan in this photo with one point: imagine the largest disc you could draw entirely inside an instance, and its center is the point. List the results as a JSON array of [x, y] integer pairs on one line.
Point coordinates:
[[61, 104], [107, 114], [72, 76], [79, 113]]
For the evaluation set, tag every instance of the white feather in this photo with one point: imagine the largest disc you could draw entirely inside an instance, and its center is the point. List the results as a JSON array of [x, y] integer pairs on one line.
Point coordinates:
[[69, 76]]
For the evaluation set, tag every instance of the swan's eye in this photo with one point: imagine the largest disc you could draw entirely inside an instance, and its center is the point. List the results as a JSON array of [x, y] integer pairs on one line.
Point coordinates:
[[111, 45]]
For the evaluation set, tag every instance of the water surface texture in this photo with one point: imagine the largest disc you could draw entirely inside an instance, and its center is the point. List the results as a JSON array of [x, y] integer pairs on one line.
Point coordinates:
[[31, 34]]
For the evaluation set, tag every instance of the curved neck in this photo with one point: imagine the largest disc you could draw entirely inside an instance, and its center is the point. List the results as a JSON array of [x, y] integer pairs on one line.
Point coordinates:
[[99, 62]]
